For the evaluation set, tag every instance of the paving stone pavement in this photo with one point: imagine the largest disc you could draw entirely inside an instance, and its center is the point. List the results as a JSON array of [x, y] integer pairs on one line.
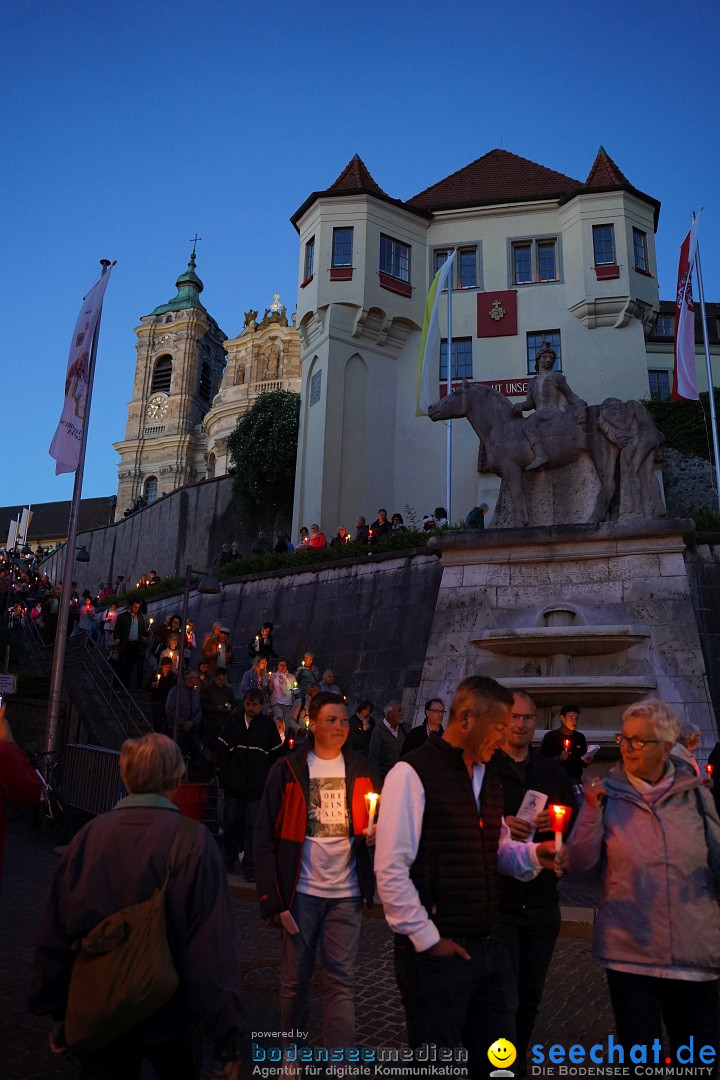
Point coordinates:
[[575, 1008]]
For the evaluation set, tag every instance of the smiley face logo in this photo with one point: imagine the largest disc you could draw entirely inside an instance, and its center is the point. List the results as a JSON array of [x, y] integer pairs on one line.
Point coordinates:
[[502, 1053]]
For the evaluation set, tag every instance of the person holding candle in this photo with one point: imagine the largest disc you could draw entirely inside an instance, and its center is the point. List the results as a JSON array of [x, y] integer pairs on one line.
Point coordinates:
[[217, 647], [307, 675], [317, 539], [261, 643], [283, 685], [568, 746], [529, 910], [361, 727], [342, 536], [217, 701], [441, 847], [313, 870], [161, 684], [652, 828]]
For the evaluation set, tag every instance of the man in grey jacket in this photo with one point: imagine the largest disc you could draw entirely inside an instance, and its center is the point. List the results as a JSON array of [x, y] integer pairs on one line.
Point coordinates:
[[387, 740]]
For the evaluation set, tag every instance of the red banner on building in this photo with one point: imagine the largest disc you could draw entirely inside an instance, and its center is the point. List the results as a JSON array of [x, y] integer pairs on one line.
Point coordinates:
[[497, 313]]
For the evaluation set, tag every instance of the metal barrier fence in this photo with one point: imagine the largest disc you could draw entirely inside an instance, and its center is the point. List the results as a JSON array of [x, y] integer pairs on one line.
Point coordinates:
[[91, 778]]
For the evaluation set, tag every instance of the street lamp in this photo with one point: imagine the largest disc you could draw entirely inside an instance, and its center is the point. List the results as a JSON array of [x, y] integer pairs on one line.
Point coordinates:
[[83, 555], [208, 586]]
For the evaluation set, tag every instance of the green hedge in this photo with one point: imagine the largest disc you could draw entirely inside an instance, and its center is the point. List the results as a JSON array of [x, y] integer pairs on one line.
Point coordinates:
[[686, 424]]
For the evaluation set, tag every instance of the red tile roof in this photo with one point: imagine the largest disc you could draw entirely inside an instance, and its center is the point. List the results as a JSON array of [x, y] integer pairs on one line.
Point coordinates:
[[356, 178], [605, 174], [496, 177]]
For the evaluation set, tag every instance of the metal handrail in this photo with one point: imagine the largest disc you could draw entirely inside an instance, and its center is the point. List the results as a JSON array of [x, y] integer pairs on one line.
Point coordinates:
[[121, 707]]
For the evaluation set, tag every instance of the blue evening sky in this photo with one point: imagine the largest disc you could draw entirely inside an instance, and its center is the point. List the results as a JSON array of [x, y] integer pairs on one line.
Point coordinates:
[[128, 126]]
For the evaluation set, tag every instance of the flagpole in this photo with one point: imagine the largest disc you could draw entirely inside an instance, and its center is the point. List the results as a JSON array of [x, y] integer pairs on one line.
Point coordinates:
[[58, 664], [448, 423], [708, 363]]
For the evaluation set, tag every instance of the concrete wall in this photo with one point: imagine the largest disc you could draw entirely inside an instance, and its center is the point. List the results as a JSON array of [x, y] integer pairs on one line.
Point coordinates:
[[187, 526], [369, 620]]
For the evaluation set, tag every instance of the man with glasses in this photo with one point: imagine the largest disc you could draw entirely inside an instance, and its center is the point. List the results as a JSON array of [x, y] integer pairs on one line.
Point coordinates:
[[434, 713], [529, 910]]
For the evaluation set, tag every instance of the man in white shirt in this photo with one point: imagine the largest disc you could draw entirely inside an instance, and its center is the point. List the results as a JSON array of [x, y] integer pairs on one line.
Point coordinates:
[[441, 847], [313, 869]]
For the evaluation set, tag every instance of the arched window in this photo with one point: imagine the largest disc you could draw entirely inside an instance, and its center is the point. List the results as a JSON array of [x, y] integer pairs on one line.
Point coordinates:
[[162, 375], [205, 382], [169, 318], [210, 467], [150, 489]]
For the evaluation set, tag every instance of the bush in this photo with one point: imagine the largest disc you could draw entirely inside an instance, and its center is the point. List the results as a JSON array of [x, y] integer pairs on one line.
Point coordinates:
[[706, 521], [686, 424]]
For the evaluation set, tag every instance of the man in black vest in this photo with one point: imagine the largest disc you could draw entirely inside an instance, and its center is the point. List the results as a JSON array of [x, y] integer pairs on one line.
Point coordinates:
[[530, 910], [441, 846]]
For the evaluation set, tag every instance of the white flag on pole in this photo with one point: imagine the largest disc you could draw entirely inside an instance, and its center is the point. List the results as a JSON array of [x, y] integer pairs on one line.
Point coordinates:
[[429, 366], [65, 447]]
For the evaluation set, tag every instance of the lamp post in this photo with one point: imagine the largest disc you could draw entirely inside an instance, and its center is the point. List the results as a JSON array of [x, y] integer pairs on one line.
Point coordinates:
[[208, 586]]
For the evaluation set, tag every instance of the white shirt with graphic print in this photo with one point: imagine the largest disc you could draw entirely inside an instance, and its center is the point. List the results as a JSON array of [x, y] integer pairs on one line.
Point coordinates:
[[327, 867]]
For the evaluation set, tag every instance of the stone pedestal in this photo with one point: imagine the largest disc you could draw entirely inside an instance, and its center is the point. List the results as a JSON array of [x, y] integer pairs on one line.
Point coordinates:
[[598, 615]]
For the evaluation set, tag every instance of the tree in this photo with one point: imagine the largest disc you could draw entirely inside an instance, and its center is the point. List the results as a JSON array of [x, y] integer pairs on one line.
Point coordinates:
[[263, 450], [686, 424]]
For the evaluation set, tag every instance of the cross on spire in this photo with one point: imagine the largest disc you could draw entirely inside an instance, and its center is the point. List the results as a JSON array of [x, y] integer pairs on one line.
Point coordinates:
[[194, 243]]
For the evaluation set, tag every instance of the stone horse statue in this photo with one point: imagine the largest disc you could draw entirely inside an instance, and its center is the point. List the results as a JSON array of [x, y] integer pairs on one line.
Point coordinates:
[[579, 482]]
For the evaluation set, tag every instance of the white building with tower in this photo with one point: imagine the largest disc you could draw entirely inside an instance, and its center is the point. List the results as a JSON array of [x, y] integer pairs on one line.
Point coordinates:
[[540, 256]]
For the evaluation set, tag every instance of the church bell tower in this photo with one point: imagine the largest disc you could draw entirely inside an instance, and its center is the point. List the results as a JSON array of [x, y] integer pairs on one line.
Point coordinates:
[[179, 368]]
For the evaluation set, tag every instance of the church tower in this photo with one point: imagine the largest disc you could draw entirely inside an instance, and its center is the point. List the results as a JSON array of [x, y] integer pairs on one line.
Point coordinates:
[[179, 369]]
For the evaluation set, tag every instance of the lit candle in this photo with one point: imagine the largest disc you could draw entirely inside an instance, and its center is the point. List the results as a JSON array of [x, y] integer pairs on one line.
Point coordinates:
[[709, 769], [291, 743], [371, 798], [557, 821], [567, 744]]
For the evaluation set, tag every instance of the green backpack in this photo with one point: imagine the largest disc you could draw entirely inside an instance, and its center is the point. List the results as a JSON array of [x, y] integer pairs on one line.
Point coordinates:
[[124, 970]]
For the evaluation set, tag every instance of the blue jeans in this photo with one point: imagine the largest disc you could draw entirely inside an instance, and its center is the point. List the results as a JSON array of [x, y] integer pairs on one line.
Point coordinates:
[[335, 923]]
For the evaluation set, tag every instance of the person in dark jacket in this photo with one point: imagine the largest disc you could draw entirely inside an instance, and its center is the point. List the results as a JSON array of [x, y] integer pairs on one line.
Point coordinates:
[[441, 847], [529, 910], [362, 531], [161, 684], [313, 867], [217, 702], [131, 635], [19, 781], [361, 727], [568, 746], [434, 712], [246, 748], [262, 644], [119, 859]]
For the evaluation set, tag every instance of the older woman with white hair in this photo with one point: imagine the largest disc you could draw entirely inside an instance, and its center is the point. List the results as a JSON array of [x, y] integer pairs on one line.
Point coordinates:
[[653, 829], [687, 743], [119, 859]]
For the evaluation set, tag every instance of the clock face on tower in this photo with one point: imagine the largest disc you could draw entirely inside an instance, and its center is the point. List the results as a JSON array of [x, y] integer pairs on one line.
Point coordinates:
[[157, 406]]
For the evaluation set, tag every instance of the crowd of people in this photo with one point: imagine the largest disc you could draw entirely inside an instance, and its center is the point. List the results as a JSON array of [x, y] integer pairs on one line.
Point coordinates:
[[463, 850], [454, 821]]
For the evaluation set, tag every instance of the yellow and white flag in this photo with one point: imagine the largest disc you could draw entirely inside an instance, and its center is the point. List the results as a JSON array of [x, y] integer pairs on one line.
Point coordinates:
[[65, 447], [427, 388]]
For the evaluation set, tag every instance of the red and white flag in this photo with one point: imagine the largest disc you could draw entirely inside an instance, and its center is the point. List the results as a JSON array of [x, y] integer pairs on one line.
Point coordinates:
[[685, 370], [65, 446]]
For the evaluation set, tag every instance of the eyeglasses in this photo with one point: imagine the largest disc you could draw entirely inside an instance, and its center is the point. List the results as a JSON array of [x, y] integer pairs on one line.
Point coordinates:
[[441, 711], [632, 742], [526, 717]]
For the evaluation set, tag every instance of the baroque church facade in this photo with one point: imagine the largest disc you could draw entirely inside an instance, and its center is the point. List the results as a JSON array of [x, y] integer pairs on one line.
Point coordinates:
[[191, 386]]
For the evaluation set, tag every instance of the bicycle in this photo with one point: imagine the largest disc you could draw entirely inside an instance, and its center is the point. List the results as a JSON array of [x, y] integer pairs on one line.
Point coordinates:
[[49, 813]]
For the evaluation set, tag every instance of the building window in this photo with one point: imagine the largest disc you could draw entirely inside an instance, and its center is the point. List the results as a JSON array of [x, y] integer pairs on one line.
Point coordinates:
[[640, 250], [309, 268], [394, 258], [315, 388], [342, 247], [150, 489], [665, 326], [533, 261], [162, 375], [205, 382], [659, 385], [465, 267], [604, 245], [462, 367], [535, 340]]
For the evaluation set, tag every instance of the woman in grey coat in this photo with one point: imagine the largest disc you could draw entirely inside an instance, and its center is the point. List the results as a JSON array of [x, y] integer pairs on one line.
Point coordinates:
[[653, 829]]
